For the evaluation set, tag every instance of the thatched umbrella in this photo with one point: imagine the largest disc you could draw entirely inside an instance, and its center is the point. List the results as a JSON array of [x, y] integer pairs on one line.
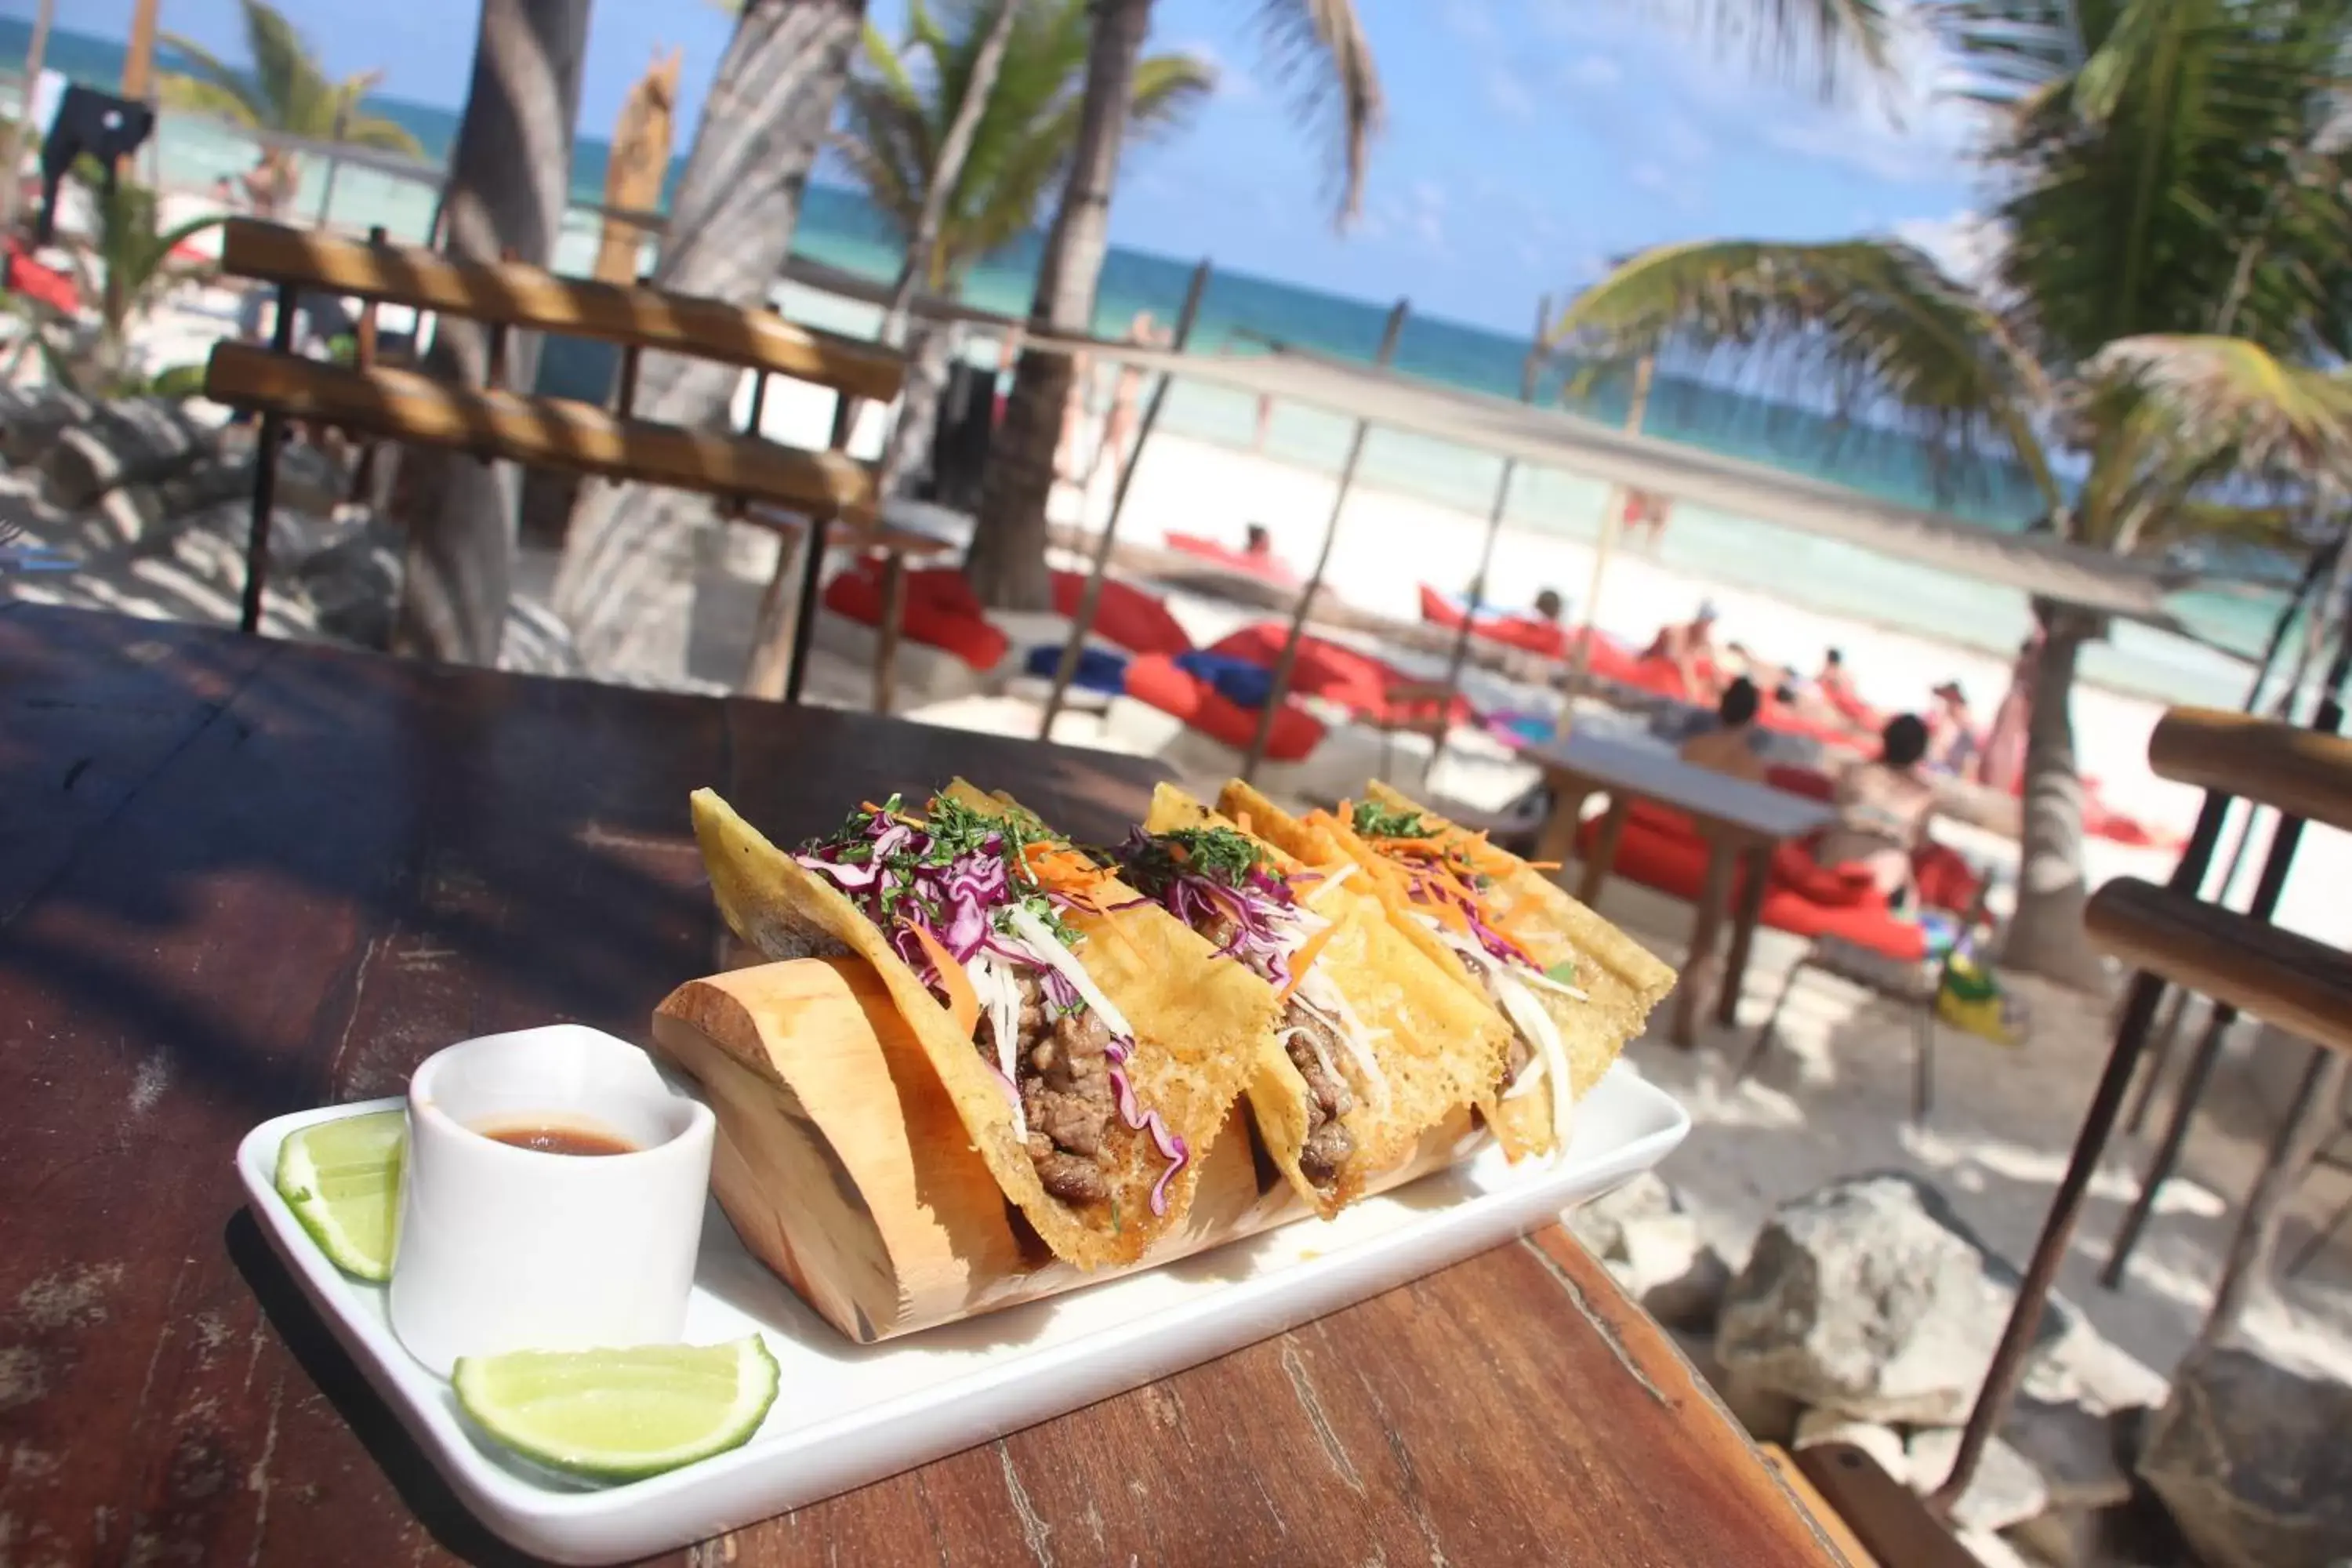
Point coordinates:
[[637, 165]]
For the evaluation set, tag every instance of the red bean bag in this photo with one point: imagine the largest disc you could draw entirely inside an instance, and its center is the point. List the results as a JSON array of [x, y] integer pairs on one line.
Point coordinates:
[[1156, 679], [1125, 615], [1660, 849], [1337, 673], [941, 610], [1264, 566], [45, 284], [1807, 782], [1610, 660]]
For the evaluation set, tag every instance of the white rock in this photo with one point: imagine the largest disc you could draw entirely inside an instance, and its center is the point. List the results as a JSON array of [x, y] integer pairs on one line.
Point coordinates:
[[2005, 1490], [1882, 1443]]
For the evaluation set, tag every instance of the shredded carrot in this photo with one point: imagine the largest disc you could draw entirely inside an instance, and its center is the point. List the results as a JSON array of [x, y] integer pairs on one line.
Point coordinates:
[[963, 1002], [1304, 959], [1543, 865]]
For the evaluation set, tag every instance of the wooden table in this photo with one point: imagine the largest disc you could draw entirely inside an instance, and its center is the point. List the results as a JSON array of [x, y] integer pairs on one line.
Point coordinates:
[[238, 878], [1741, 822]]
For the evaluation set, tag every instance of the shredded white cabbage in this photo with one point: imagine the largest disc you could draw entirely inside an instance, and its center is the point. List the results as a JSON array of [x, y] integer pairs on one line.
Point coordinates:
[[1539, 978], [1325, 1000], [1548, 1058], [1000, 998], [1040, 941]]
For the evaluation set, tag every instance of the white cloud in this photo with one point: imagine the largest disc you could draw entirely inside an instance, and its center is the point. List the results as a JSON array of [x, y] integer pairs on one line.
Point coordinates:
[[1600, 72], [1471, 19], [1508, 96], [1235, 85], [1876, 150]]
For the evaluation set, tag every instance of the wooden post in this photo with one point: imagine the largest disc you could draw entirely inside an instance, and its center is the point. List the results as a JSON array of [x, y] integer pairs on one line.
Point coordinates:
[[1091, 598], [265, 477], [363, 357], [1288, 658], [2310, 1123], [139, 52], [1528, 374], [36, 56], [1611, 511]]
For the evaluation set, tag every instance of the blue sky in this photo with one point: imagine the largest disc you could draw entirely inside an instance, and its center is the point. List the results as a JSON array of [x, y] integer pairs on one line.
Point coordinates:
[[1528, 140]]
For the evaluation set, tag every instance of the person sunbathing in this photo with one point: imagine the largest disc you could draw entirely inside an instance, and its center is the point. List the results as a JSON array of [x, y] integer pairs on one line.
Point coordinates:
[[1729, 748], [1953, 742], [1689, 646], [1882, 810]]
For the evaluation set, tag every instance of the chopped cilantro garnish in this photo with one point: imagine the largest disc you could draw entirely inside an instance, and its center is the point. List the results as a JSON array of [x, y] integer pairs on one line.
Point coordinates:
[[1564, 971], [912, 873], [1375, 821], [1218, 854]]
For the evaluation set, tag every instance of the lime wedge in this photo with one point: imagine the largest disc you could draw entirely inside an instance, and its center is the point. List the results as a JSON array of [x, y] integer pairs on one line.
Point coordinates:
[[341, 1178], [620, 1415]]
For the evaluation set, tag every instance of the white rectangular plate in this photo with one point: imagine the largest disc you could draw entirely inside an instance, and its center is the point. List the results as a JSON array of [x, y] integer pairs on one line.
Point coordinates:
[[852, 1414]]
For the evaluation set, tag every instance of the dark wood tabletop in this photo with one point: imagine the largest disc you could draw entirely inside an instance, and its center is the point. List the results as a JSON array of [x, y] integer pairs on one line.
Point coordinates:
[[1655, 773], [240, 878]]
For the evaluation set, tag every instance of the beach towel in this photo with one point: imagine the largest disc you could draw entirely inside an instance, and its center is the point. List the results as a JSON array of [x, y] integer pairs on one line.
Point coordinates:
[[1238, 681], [1099, 669]]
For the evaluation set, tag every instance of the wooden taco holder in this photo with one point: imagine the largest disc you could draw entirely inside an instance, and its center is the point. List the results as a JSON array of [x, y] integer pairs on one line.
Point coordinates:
[[845, 1168]]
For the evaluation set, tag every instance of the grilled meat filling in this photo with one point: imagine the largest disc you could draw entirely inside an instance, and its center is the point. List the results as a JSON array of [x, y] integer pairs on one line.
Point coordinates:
[[1061, 1068]]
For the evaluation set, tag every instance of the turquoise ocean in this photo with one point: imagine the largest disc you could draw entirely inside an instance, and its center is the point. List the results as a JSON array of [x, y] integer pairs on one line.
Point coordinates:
[[839, 227]]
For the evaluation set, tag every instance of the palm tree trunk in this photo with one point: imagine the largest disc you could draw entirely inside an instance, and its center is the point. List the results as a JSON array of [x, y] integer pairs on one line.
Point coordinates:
[[2046, 936], [1007, 562], [627, 582], [931, 354], [926, 378], [510, 176]]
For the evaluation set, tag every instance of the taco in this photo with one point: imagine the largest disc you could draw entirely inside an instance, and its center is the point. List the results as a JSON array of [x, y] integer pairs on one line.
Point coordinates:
[[1573, 986], [1090, 1043], [1372, 1046]]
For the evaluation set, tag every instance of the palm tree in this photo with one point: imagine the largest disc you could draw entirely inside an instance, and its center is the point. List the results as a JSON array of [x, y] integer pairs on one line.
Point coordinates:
[[2166, 172], [627, 564], [127, 264], [898, 116], [510, 178], [283, 92], [1323, 47]]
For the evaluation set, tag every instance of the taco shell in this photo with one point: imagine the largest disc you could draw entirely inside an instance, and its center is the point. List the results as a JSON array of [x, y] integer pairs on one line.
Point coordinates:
[[1198, 1024], [1437, 1049], [1622, 979]]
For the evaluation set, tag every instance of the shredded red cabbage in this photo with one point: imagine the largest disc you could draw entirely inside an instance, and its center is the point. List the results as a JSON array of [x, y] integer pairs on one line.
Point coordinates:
[[959, 876], [1253, 896]]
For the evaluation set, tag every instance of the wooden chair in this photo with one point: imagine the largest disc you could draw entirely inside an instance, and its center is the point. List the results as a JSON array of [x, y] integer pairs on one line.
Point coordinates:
[[2239, 959], [373, 399]]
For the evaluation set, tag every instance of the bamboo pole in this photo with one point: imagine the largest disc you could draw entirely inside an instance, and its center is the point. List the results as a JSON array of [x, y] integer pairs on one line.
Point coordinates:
[[1611, 514], [635, 165], [36, 57], [1090, 599], [1529, 371], [1288, 660]]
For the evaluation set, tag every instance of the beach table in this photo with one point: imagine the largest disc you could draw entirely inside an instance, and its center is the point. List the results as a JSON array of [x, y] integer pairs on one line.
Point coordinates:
[[241, 877], [1742, 822]]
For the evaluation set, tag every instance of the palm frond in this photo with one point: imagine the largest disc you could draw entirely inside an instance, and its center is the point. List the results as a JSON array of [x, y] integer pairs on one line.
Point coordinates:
[[1823, 39], [218, 99], [1320, 49], [386, 134], [286, 76], [2011, 52], [1168, 87], [2228, 401], [209, 84], [1874, 329]]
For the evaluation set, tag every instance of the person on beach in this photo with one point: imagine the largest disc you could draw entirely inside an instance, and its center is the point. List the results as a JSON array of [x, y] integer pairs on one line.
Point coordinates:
[[1882, 810], [1257, 543], [1953, 744], [1689, 646], [1644, 514], [1265, 423], [1729, 748], [2001, 764], [1549, 606], [1074, 412], [1126, 391]]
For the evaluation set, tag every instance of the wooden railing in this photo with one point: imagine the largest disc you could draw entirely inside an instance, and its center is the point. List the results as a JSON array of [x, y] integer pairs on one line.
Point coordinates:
[[784, 488]]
